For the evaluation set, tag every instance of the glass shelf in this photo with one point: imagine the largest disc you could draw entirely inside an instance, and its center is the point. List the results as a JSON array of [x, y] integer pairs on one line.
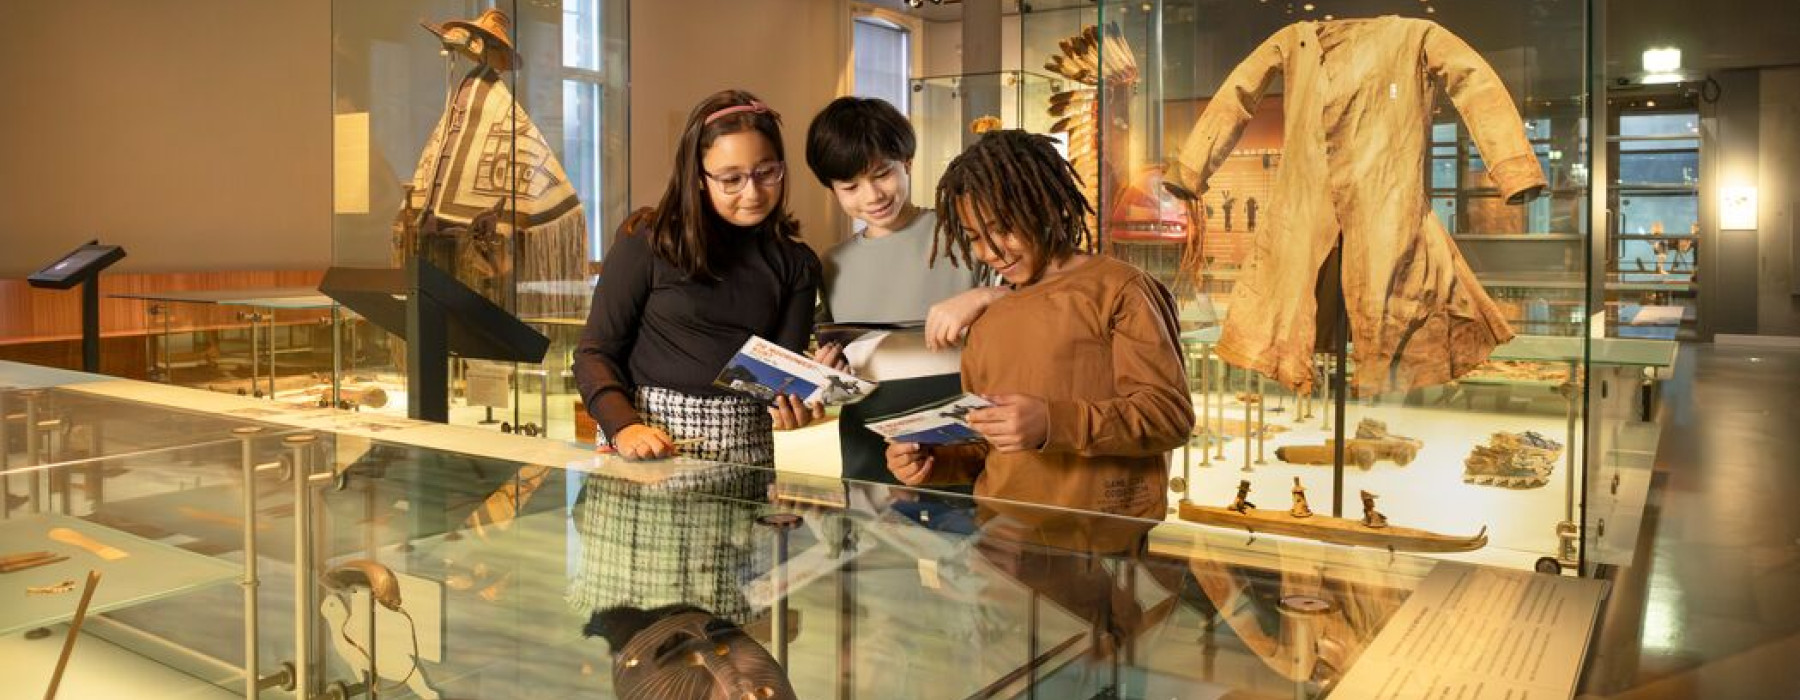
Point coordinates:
[[151, 571]]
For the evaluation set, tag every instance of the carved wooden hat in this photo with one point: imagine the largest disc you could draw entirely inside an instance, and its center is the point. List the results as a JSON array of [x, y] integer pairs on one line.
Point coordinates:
[[494, 28]]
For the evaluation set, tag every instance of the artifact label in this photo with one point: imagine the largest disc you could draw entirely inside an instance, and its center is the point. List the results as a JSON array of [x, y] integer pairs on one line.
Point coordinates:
[[1477, 632], [488, 385]]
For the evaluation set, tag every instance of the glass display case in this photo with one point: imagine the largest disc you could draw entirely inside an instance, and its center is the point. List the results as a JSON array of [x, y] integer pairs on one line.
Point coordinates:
[[262, 343], [340, 551], [945, 110], [297, 347], [491, 143], [1357, 324]]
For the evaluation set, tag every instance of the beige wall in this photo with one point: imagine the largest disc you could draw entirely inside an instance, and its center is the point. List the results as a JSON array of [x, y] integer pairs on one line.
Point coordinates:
[[193, 132], [791, 53]]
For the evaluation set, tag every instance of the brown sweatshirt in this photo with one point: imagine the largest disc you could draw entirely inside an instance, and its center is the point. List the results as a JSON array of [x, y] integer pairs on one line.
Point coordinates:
[[1099, 344]]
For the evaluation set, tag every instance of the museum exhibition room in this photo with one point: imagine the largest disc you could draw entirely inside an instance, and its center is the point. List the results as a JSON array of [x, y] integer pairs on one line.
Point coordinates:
[[1071, 349]]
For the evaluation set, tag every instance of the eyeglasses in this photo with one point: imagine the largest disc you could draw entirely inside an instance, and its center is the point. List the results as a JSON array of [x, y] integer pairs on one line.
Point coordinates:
[[768, 175]]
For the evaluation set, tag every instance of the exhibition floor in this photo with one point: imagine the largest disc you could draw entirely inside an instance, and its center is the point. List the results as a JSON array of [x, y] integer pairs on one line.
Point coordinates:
[[1713, 609]]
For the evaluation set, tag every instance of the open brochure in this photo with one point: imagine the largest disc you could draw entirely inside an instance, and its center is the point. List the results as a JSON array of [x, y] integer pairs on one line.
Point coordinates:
[[859, 340], [846, 333], [940, 423], [764, 370]]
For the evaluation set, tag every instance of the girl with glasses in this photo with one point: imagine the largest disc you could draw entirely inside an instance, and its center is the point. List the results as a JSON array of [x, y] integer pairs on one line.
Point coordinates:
[[685, 285]]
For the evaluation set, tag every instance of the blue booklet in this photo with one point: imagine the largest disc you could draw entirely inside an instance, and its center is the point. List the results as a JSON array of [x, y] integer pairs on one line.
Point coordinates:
[[764, 370], [938, 423]]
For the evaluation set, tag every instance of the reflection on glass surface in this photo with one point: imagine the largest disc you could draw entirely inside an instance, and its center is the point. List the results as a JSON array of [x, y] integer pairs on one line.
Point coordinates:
[[589, 576]]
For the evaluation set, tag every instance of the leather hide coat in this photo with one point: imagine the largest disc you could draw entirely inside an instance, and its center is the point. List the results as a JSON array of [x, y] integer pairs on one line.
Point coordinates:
[[1358, 102]]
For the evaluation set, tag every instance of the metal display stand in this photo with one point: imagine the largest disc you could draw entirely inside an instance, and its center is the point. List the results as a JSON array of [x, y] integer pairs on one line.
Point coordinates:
[[436, 316]]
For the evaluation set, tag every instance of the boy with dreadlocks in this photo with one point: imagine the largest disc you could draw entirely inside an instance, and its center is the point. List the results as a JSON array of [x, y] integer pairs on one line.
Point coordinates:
[[1081, 361]]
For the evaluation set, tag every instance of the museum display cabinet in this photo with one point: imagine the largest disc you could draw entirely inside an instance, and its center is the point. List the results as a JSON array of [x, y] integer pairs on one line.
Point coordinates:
[[298, 347], [338, 549], [491, 145], [281, 343], [1377, 219], [473, 143], [947, 111]]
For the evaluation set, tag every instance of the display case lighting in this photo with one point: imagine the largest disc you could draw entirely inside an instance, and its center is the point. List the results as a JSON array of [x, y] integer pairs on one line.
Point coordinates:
[[1737, 208]]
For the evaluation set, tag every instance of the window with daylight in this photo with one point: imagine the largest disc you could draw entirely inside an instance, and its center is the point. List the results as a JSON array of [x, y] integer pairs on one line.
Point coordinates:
[[883, 57], [593, 66]]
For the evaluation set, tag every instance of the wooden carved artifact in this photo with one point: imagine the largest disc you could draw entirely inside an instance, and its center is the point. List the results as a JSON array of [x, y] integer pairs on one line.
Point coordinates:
[[1372, 531], [1373, 443]]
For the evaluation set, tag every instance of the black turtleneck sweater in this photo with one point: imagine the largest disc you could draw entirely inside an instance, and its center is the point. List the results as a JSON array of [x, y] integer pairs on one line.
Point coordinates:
[[652, 325]]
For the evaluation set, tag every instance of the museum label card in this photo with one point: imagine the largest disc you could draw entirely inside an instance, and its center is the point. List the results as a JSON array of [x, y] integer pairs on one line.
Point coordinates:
[[1478, 633]]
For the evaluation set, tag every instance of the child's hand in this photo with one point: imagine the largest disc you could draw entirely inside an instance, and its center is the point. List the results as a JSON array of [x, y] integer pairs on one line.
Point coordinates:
[[1016, 423], [790, 413], [832, 355], [909, 462], [639, 441], [946, 321]]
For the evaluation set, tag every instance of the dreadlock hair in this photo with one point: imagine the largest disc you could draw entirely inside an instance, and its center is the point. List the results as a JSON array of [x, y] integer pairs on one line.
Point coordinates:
[[684, 223], [1017, 180]]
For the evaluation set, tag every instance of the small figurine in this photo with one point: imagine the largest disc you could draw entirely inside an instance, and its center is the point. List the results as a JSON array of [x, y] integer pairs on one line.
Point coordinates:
[[1242, 503], [1230, 204], [1250, 207], [1300, 509], [1372, 517]]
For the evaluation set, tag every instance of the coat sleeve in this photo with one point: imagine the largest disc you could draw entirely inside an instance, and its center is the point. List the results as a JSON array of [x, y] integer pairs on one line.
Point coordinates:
[[1151, 412], [1488, 109], [1217, 131], [602, 358]]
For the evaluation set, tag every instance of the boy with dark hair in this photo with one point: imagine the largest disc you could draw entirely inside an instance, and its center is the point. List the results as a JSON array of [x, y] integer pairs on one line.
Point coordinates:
[[1081, 361], [862, 150]]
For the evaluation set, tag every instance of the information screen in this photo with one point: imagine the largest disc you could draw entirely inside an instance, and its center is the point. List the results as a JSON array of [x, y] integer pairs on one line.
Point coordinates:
[[77, 267]]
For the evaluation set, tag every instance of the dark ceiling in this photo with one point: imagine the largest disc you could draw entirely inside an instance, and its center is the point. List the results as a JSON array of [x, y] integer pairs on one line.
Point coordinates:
[[1712, 34]]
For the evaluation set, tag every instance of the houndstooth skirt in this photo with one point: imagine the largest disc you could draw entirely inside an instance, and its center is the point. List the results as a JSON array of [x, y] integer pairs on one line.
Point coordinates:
[[689, 538]]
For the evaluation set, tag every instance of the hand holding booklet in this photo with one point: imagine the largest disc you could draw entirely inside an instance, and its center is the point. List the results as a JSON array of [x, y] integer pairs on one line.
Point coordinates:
[[940, 423], [764, 370]]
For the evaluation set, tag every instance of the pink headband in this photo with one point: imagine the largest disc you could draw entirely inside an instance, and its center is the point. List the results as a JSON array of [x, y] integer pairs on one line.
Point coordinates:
[[755, 106]]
